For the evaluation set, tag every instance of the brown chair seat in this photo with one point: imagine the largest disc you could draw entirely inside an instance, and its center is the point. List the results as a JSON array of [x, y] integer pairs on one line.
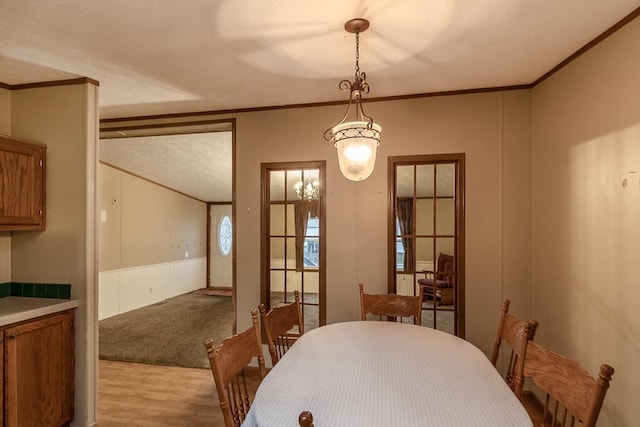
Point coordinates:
[[444, 291], [440, 284]]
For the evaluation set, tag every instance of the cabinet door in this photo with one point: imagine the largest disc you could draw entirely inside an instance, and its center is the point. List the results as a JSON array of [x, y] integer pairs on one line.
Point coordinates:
[[39, 372], [1, 378], [22, 195]]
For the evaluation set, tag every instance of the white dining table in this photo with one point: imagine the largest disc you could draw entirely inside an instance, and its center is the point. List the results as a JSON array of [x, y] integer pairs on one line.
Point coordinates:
[[384, 374]]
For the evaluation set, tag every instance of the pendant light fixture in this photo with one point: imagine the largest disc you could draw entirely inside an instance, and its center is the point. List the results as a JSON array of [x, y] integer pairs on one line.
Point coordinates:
[[309, 190], [356, 141]]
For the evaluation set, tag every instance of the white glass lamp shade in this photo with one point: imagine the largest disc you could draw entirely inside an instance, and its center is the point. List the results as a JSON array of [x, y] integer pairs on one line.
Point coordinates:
[[356, 143]]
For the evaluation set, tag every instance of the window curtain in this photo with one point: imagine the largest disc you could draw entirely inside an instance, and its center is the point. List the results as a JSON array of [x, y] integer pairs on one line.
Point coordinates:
[[303, 210], [406, 220]]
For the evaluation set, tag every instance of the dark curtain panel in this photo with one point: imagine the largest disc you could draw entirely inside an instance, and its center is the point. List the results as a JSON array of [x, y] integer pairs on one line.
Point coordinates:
[[303, 209], [405, 219]]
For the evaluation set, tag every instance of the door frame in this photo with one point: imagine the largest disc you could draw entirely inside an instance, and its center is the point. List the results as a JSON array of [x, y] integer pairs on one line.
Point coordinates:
[[459, 160]]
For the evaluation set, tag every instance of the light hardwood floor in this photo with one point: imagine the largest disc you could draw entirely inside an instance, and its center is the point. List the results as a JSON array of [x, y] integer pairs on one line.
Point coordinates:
[[133, 394]]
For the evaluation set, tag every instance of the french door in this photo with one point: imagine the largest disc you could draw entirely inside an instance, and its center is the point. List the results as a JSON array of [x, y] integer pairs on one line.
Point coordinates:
[[426, 235], [293, 238]]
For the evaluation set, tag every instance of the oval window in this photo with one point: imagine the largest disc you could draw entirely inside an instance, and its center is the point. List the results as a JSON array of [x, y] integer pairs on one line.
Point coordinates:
[[225, 235]]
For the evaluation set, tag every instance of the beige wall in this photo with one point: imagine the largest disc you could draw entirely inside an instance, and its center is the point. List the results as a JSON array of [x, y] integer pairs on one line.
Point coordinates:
[[109, 202], [491, 128], [65, 119], [515, 204], [153, 242], [586, 140], [147, 224]]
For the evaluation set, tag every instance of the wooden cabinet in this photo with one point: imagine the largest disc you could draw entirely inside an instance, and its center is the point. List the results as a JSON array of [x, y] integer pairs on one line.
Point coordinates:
[[1, 378], [22, 185], [39, 371]]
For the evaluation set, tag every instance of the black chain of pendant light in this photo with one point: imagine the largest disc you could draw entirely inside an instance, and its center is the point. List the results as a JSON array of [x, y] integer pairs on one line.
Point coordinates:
[[360, 78]]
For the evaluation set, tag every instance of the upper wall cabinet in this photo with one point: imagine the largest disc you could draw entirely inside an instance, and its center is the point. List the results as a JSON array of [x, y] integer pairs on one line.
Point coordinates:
[[22, 185]]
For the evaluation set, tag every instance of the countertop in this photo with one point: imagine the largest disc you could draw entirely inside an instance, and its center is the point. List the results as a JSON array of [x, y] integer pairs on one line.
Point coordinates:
[[18, 309]]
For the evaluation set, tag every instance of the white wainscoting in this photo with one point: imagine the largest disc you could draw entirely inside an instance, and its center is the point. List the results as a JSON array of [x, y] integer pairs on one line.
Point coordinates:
[[127, 289], [403, 281], [108, 294]]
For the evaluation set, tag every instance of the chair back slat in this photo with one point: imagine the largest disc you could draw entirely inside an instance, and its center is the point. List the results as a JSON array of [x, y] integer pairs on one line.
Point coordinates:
[[283, 326], [391, 305], [567, 385], [228, 361], [516, 334]]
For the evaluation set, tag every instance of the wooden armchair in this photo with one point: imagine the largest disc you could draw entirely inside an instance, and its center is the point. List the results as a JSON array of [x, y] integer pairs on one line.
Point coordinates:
[[439, 285], [572, 394], [517, 335], [228, 361], [391, 305], [278, 323]]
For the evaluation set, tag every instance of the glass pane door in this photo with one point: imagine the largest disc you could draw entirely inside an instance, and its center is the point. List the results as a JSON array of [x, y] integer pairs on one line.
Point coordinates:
[[426, 236], [293, 224]]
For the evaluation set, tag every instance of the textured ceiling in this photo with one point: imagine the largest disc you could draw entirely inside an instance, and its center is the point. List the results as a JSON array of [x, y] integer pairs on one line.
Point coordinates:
[[198, 164], [161, 56]]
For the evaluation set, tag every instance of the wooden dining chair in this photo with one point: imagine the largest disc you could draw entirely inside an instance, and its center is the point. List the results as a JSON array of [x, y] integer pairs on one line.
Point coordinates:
[[572, 394], [392, 306], [228, 361], [516, 334], [305, 419], [283, 326]]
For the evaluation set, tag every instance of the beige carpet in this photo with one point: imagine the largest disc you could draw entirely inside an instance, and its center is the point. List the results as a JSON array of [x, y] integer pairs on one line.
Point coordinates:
[[444, 320], [214, 291], [169, 333]]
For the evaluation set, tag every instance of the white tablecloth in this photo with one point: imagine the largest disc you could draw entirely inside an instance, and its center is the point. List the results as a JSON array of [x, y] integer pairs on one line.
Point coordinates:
[[385, 374]]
